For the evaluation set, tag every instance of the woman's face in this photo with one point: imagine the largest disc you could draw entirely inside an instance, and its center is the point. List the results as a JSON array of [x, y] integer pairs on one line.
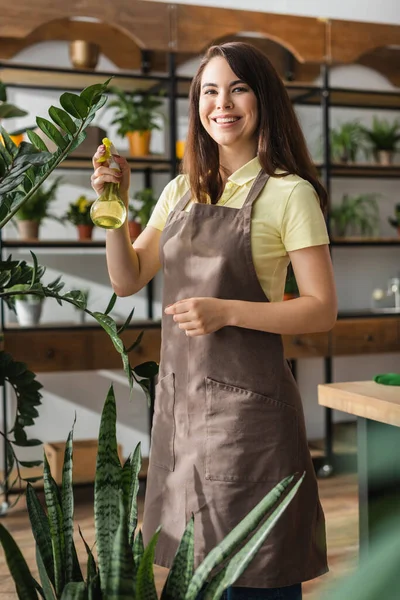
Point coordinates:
[[227, 107]]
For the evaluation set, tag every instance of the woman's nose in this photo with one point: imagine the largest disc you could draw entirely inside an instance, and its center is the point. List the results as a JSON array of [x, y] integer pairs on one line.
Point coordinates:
[[224, 101]]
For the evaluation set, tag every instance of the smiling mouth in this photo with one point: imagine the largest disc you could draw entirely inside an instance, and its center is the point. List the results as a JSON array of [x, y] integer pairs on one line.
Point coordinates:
[[225, 120]]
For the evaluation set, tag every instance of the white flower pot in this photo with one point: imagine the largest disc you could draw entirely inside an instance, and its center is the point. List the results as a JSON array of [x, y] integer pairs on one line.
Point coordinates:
[[28, 312]]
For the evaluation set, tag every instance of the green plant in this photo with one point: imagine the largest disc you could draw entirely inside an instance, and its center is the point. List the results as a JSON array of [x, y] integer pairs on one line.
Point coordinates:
[[356, 215], [125, 567], [395, 222], [7, 110], [134, 111], [383, 135], [79, 211], [141, 211], [345, 141], [37, 206]]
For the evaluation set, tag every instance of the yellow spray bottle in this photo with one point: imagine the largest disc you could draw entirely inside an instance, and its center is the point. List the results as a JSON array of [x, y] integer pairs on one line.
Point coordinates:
[[109, 211]]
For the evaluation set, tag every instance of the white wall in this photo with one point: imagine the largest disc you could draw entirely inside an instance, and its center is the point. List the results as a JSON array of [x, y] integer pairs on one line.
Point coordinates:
[[85, 392], [385, 11]]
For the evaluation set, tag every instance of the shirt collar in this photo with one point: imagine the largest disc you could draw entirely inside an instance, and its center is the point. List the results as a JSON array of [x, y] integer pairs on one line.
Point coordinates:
[[246, 173]]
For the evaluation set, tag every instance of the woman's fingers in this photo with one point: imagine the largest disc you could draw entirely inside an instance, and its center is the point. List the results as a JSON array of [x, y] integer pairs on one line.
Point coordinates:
[[101, 150], [103, 175]]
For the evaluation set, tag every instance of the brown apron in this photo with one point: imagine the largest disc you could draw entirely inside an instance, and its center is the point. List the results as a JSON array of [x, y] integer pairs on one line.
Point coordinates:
[[228, 420]]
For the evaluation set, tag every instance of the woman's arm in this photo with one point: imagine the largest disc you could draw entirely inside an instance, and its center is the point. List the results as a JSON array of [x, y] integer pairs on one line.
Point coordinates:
[[315, 309]]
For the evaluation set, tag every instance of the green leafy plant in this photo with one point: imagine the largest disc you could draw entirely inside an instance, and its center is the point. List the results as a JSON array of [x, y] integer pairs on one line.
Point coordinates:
[[79, 211], [345, 141], [36, 208], [134, 111], [125, 567], [356, 215], [7, 110], [383, 135], [142, 209], [395, 222]]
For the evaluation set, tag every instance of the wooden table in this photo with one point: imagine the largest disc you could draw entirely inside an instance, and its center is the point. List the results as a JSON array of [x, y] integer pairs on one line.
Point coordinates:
[[377, 408]]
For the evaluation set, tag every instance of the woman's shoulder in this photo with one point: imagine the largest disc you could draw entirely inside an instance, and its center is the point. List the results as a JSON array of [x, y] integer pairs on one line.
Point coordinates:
[[177, 188], [287, 184]]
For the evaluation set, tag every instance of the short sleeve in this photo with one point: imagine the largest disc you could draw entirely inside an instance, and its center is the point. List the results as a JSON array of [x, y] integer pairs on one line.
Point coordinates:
[[170, 196], [303, 224]]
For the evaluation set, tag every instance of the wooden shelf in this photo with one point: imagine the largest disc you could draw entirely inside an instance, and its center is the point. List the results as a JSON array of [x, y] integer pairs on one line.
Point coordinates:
[[363, 170], [159, 164], [53, 244], [373, 99]]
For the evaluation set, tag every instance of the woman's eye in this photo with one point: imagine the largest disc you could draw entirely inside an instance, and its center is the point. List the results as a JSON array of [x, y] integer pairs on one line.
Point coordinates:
[[210, 91], [240, 89]]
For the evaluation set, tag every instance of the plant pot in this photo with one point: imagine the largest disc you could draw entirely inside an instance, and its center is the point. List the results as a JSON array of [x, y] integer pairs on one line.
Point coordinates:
[[28, 230], [139, 142], [28, 312], [135, 229], [83, 54], [85, 232], [289, 296], [384, 157]]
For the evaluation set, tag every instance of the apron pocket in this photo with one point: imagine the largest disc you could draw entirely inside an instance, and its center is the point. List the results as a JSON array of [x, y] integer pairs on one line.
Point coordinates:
[[163, 430], [250, 437]]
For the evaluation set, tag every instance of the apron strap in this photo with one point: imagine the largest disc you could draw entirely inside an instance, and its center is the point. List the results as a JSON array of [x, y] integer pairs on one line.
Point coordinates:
[[256, 188], [181, 205]]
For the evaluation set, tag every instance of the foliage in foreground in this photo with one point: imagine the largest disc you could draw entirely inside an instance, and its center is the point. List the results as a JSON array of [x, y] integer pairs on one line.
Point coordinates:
[[124, 568]]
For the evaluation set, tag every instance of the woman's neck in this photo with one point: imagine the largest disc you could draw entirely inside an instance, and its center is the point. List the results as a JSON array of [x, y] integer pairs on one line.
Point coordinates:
[[231, 160]]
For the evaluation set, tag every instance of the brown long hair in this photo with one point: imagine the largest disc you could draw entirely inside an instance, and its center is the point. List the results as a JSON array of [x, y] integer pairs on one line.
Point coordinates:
[[281, 142]]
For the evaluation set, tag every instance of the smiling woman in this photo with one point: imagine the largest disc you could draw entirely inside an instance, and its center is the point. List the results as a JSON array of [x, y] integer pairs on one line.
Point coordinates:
[[228, 420]]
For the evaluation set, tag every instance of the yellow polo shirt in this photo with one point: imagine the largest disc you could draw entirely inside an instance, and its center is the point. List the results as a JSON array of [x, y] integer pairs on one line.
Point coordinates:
[[286, 216]]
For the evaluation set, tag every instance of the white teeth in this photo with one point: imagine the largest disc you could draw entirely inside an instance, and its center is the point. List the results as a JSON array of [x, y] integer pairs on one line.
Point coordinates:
[[226, 120]]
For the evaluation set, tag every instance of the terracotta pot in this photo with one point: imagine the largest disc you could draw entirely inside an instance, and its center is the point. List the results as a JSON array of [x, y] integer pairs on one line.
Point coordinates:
[[139, 142], [289, 296], [28, 230], [83, 54], [135, 229], [385, 157], [85, 232]]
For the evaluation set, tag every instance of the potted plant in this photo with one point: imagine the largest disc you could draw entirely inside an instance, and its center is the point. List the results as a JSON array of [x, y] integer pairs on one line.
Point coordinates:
[[135, 116], [30, 216], [28, 308], [395, 222], [10, 111], [345, 142], [356, 215], [383, 138], [139, 212], [79, 214]]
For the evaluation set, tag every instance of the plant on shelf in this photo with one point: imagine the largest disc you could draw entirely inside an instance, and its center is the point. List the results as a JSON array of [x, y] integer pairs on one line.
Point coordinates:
[[28, 309], [78, 214], [356, 215], [10, 111], [346, 141], [395, 221], [382, 139], [30, 216], [135, 116], [291, 290], [124, 567], [139, 212]]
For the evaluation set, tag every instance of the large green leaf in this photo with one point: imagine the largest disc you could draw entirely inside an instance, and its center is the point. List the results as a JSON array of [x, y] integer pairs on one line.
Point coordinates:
[[41, 531], [36, 140], [107, 486], [56, 523], [232, 541], [75, 105], [9, 111], [52, 132], [18, 568], [182, 568], [145, 586], [44, 578], [62, 119], [243, 558], [72, 568], [148, 369], [120, 574]]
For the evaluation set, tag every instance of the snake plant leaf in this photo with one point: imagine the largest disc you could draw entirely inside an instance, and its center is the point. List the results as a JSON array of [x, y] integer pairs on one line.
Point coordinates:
[[91, 570], [41, 531], [56, 522], [36, 140], [52, 132], [147, 369], [48, 591], [120, 573], [138, 551], [18, 568], [74, 591], [232, 541], [126, 482], [75, 105], [182, 568], [136, 465], [243, 558], [107, 486], [72, 568], [62, 119], [145, 586]]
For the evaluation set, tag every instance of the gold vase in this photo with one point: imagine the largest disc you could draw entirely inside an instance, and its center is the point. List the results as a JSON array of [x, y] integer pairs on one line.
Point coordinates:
[[83, 54]]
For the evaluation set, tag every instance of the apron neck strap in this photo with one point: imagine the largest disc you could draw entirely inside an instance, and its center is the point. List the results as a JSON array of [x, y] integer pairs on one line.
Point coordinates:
[[183, 201], [256, 188]]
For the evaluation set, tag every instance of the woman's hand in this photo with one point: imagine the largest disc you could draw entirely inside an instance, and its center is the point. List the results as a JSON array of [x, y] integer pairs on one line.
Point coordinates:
[[103, 174], [198, 316]]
